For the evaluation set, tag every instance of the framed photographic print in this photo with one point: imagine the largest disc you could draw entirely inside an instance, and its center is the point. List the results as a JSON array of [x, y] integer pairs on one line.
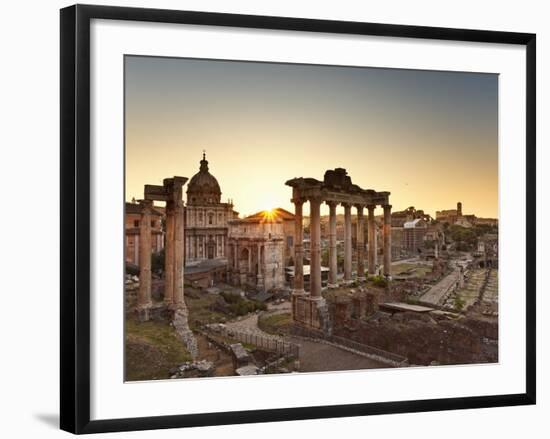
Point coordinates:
[[268, 218]]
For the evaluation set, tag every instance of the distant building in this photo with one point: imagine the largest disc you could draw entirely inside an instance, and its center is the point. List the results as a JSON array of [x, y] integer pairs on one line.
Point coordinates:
[[455, 216], [463, 222], [206, 218], [449, 216], [132, 220], [435, 233], [403, 241], [413, 234], [487, 221], [399, 218]]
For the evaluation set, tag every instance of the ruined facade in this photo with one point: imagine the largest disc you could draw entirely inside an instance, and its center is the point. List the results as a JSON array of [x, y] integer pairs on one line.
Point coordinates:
[[256, 246], [287, 220]]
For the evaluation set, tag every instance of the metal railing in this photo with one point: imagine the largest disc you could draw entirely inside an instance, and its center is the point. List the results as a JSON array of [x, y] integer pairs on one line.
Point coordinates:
[[266, 343]]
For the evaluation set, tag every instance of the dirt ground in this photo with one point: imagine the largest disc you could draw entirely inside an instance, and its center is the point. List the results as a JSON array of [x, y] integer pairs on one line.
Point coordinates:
[[222, 360]]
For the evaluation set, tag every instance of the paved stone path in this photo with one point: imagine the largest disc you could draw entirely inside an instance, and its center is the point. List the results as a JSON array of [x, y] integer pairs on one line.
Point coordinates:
[[437, 293], [320, 357], [250, 322], [314, 356]]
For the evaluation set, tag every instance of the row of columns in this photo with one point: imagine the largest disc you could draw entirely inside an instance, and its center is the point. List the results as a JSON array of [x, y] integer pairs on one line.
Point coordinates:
[[315, 243], [194, 243]]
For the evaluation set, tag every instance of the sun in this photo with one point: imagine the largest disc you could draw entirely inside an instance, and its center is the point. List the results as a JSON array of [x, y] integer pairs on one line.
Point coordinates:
[[269, 214]]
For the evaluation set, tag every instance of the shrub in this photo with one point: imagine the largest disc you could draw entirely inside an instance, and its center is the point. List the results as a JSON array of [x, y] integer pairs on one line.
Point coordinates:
[[240, 306], [379, 281], [459, 303], [230, 297]]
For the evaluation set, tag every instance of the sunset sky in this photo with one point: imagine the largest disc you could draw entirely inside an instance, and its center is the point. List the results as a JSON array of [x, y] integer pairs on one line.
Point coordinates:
[[430, 138]]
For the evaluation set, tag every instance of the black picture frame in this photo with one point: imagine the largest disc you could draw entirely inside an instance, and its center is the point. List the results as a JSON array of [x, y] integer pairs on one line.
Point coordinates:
[[75, 217]]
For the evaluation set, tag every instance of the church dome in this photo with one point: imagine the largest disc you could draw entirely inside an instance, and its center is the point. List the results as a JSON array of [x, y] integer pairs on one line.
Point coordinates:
[[203, 188]]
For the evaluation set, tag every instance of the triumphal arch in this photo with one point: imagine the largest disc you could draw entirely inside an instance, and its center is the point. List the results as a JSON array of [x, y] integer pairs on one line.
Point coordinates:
[[336, 188]]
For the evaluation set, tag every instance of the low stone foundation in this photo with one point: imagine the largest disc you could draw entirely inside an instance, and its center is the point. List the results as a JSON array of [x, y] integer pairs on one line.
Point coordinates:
[[311, 312], [424, 339], [181, 325], [154, 311]]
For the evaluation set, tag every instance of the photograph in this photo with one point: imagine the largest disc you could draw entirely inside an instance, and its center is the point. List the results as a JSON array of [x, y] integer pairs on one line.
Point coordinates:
[[284, 218]]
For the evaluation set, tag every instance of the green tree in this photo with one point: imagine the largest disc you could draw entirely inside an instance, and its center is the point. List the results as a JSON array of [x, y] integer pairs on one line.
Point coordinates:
[[465, 238]]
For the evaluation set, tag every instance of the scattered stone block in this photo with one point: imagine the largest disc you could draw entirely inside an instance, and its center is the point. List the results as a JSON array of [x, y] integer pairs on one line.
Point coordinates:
[[241, 355], [249, 369]]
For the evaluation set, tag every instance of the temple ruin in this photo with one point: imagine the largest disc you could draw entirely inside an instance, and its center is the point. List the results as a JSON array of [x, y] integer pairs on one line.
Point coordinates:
[[309, 308], [170, 193]]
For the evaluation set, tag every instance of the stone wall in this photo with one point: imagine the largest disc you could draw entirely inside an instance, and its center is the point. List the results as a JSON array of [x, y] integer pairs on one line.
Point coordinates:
[[423, 339]]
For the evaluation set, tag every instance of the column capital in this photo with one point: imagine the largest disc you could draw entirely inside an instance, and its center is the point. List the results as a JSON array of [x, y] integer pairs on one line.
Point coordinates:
[[371, 207], [346, 205], [331, 203], [315, 199], [298, 201], [359, 208], [387, 206]]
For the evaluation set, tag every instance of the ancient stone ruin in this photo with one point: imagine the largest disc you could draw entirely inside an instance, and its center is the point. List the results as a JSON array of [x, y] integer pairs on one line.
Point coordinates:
[[309, 308], [171, 193]]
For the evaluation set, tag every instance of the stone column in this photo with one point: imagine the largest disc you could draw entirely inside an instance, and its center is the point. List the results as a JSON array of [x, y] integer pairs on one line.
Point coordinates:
[[144, 296], [360, 244], [169, 255], [298, 248], [259, 276], [347, 242], [315, 249], [387, 240], [333, 255], [371, 234], [179, 239], [237, 275], [187, 256], [136, 250]]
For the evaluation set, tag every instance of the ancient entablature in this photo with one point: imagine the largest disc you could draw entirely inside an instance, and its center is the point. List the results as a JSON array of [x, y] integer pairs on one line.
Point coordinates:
[[336, 188]]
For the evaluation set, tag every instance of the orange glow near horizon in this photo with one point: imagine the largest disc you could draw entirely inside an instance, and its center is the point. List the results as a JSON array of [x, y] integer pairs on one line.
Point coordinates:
[[428, 138]]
